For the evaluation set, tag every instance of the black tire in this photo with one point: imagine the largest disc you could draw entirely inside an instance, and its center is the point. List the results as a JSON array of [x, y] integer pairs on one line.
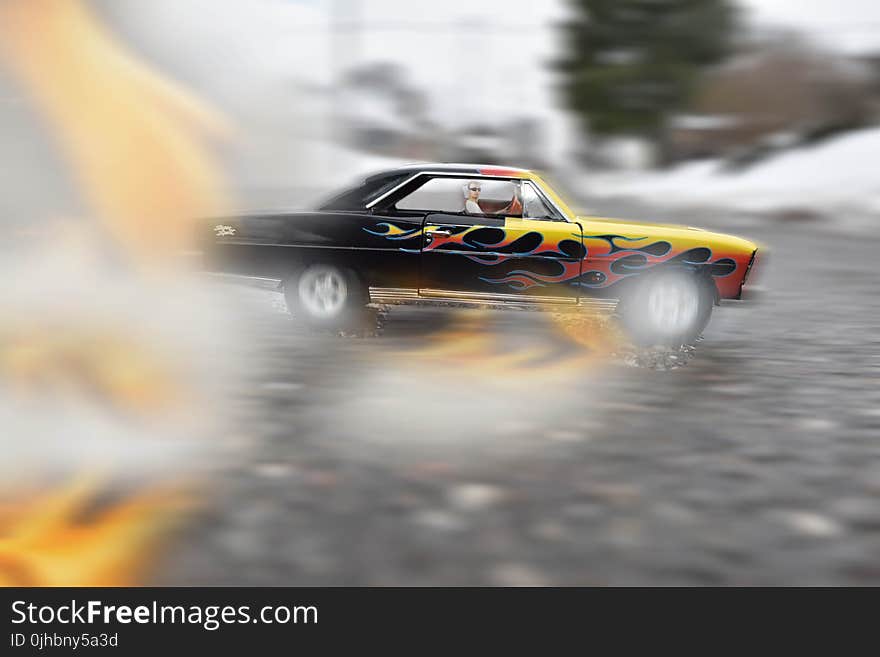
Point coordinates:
[[668, 308], [327, 297]]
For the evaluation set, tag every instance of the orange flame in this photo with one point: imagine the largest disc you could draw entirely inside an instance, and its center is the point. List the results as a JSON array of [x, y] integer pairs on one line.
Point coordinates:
[[51, 539], [134, 142], [126, 132], [89, 361], [580, 341]]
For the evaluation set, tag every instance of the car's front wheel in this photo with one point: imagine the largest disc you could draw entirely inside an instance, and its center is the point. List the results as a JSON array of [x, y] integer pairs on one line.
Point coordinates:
[[326, 296], [668, 308]]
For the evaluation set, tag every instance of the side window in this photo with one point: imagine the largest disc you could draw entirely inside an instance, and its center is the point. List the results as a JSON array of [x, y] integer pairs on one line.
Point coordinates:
[[534, 206], [473, 196]]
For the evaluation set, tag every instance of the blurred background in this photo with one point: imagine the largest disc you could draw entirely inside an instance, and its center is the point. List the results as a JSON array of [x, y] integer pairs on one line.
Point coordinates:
[[161, 428]]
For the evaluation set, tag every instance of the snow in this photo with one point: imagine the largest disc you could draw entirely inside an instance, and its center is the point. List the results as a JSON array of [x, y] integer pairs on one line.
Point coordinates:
[[839, 174]]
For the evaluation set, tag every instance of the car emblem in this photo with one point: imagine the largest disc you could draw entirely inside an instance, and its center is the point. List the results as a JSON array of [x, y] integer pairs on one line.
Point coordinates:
[[221, 230]]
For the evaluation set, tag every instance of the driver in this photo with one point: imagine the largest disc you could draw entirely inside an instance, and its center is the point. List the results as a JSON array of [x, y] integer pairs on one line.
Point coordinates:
[[472, 195]]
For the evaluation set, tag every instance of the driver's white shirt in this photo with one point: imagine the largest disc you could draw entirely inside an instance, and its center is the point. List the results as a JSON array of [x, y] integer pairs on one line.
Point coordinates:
[[471, 207]]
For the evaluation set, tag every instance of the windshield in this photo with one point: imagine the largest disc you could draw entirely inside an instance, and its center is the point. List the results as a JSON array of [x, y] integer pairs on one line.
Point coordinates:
[[573, 200]]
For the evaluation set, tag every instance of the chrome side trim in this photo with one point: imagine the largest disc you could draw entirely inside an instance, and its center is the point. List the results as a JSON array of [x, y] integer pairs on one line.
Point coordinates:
[[433, 297], [479, 297], [315, 246], [410, 294], [609, 305], [393, 294]]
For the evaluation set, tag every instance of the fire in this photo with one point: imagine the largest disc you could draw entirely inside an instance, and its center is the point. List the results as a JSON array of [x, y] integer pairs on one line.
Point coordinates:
[[127, 132], [592, 330], [135, 144], [571, 343], [54, 538], [487, 385], [90, 362]]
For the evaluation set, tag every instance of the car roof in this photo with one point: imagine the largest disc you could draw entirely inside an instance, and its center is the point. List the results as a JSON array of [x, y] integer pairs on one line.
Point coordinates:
[[450, 167]]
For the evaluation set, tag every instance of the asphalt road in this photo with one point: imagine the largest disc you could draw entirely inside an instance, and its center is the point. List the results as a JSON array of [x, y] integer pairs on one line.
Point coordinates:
[[506, 448]]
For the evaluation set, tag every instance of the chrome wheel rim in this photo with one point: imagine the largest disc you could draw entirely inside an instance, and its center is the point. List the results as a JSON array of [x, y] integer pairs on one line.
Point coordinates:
[[323, 291], [673, 305]]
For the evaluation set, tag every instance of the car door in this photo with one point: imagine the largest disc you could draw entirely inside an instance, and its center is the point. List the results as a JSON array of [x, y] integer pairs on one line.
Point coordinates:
[[505, 255]]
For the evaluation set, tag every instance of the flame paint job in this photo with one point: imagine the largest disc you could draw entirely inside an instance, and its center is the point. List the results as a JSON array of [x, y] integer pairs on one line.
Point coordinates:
[[600, 254], [392, 232], [618, 249], [504, 171], [595, 261]]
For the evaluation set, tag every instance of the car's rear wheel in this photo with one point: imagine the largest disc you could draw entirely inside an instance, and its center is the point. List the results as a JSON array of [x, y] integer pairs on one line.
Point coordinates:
[[326, 296], [669, 308]]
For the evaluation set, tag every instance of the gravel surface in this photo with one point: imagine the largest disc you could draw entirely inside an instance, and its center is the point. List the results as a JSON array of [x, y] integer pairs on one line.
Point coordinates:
[[457, 447]]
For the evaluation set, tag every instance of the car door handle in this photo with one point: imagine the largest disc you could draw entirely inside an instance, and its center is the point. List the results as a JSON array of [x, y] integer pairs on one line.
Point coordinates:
[[444, 233]]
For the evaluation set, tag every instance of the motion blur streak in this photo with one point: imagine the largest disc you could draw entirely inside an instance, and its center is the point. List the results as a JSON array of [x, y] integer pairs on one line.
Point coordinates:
[[104, 366], [476, 390], [125, 130], [55, 538], [473, 350]]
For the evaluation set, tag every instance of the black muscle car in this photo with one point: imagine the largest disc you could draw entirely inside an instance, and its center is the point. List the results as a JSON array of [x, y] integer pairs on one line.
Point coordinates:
[[476, 233]]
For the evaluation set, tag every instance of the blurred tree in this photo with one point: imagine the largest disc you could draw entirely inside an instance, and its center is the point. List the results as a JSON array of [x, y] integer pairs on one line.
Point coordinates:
[[630, 63]]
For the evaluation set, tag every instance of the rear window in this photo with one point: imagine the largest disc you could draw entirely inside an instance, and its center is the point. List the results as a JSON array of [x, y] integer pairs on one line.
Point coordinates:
[[357, 198]]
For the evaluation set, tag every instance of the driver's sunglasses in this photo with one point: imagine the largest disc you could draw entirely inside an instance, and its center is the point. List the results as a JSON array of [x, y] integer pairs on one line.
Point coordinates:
[[474, 189]]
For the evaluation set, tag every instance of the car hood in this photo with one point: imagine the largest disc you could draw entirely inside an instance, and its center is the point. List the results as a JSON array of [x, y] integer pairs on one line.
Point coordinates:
[[689, 234], [630, 222]]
